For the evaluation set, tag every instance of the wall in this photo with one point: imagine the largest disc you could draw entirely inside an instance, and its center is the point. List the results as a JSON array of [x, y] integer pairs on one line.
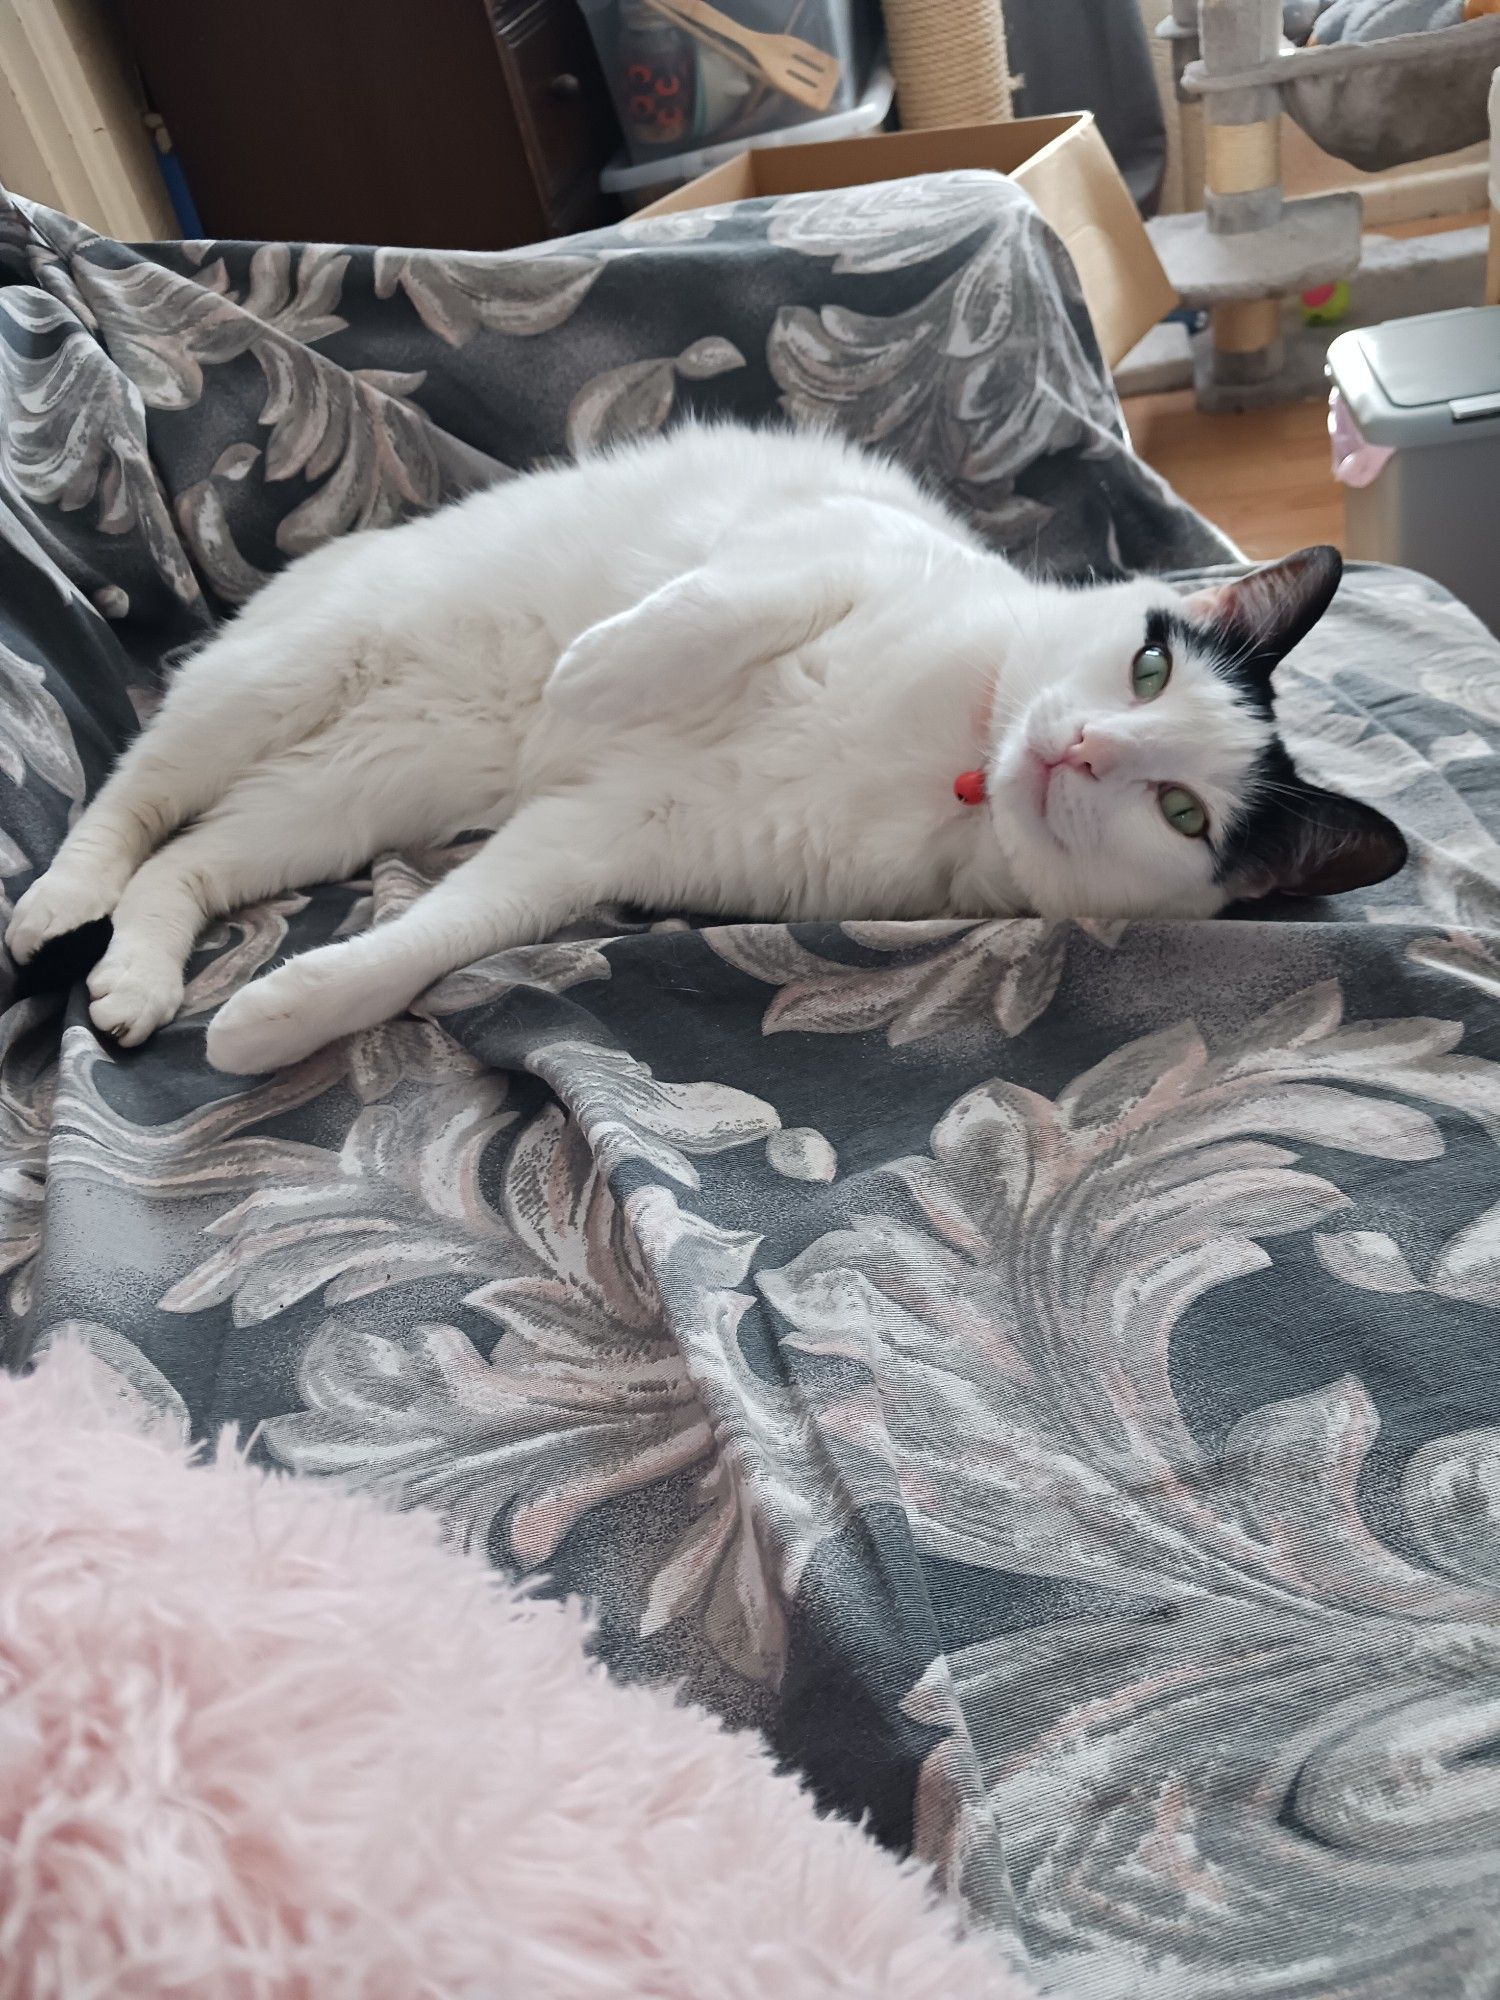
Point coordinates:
[[71, 135]]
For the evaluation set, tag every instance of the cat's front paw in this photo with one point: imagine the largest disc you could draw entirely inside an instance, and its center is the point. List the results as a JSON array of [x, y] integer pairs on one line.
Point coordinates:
[[62, 900], [133, 993]]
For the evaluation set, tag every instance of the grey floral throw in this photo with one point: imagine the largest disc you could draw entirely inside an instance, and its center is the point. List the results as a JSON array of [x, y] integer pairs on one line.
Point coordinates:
[[1043, 1376]]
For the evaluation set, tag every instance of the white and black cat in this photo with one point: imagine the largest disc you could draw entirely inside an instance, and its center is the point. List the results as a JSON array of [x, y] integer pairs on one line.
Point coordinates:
[[762, 674]]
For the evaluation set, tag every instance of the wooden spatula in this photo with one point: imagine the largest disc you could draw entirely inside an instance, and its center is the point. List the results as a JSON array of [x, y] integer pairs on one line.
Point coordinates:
[[787, 63]]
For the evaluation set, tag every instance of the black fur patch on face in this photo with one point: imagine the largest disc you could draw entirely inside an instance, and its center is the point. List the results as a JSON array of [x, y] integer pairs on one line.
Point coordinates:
[[1251, 832], [1180, 635], [1266, 826], [1291, 838], [1297, 839]]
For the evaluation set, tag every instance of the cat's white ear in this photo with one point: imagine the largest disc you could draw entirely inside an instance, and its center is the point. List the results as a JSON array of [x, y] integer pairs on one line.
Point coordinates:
[[685, 645], [1266, 612]]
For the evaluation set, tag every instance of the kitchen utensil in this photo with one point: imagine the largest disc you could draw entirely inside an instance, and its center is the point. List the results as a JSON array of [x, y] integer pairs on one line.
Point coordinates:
[[796, 68]]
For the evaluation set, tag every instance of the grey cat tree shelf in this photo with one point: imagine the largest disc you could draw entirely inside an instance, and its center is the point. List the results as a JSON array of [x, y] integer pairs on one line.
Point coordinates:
[[1316, 241], [1249, 255]]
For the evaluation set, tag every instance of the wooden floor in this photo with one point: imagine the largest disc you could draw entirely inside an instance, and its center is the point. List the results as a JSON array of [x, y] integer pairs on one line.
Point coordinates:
[[1264, 476]]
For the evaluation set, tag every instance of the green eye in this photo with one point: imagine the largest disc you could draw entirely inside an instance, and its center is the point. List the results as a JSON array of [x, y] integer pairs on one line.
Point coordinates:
[[1150, 671], [1182, 812]]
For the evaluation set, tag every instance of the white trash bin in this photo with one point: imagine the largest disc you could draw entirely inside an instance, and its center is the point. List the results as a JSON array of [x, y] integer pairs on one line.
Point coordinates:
[[1416, 427]]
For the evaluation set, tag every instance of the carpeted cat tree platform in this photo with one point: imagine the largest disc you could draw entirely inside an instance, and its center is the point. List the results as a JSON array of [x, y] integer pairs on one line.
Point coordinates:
[[1376, 104]]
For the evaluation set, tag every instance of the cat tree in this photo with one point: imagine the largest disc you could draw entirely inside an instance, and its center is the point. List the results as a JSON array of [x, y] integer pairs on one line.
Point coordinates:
[[1251, 251]]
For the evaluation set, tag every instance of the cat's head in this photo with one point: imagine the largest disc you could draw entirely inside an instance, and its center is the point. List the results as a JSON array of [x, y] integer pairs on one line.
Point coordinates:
[[1136, 768]]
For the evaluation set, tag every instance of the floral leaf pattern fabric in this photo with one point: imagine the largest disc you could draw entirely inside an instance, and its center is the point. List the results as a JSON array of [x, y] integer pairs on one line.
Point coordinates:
[[1042, 1375], [943, 970]]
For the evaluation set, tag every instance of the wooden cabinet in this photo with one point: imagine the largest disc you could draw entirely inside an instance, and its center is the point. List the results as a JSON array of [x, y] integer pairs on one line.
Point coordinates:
[[450, 123]]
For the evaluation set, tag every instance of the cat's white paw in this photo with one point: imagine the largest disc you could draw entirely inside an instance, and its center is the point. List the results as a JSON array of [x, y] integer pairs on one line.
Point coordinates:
[[258, 1029], [278, 1020], [62, 900], [134, 992]]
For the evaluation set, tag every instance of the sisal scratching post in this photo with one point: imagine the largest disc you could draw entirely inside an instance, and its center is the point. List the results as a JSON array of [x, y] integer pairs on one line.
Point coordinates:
[[1492, 282], [950, 62], [1242, 175]]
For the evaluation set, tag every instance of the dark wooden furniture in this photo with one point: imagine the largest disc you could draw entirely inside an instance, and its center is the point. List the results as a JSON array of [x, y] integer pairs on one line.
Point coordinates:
[[449, 123]]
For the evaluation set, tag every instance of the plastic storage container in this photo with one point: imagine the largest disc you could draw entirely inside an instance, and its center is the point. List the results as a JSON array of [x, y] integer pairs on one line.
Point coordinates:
[[682, 82], [638, 185], [1427, 391]]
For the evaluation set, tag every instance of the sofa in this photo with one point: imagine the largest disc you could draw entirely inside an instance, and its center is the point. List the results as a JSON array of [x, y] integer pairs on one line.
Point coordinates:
[[1041, 1376]]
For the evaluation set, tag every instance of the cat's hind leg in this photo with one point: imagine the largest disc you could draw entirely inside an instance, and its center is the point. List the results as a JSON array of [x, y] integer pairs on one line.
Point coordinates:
[[273, 830], [261, 685], [556, 858]]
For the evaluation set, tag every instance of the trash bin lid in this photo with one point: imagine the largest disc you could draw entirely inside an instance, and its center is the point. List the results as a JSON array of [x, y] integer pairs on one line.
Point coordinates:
[[1429, 380]]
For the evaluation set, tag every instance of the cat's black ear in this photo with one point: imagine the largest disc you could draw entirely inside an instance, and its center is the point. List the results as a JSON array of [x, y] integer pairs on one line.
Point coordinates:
[[1316, 843], [1261, 616]]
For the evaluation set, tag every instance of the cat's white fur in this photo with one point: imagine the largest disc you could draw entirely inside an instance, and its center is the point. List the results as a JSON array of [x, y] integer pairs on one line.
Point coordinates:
[[723, 671]]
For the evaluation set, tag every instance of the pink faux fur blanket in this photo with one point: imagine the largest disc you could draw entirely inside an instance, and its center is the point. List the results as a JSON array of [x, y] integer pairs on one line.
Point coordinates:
[[259, 1739]]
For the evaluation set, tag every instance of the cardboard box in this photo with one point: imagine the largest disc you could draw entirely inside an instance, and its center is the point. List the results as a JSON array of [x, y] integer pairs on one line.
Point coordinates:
[[1062, 163]]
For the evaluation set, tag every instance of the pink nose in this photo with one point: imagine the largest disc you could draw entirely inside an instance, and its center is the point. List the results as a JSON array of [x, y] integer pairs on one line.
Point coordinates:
[[1092, 754]]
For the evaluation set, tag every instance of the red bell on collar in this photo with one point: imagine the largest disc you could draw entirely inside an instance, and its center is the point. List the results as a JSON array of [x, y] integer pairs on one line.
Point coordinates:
[[970, 787]]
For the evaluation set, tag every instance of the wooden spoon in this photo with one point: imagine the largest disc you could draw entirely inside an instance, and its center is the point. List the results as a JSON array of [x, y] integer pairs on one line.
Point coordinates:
[[788, 64]]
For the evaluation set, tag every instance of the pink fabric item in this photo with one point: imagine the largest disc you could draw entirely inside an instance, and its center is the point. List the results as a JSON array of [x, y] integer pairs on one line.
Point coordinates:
[[1356, 462], [259, 1738]]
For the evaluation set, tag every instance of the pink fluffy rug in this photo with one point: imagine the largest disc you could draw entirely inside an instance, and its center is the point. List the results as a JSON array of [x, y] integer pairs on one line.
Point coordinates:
[[259, 1740]]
